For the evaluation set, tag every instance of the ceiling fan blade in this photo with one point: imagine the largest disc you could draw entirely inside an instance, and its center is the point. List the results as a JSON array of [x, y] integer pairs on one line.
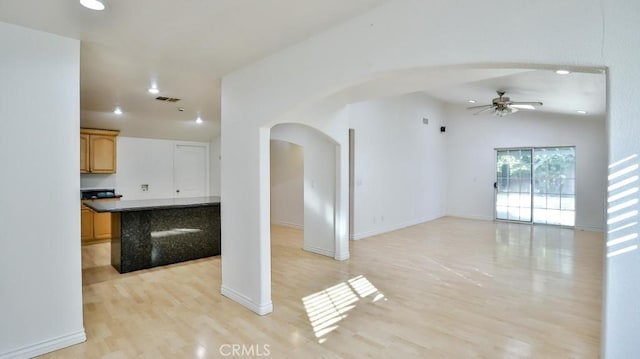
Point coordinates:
[[481, 106], [489, 107], [532, 103]]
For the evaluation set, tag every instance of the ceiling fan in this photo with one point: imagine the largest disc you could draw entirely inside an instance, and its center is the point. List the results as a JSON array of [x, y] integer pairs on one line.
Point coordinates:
[[502, 105]]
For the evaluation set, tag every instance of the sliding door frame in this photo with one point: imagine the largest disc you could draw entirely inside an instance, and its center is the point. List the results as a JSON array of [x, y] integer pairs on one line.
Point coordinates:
[[495, 190]]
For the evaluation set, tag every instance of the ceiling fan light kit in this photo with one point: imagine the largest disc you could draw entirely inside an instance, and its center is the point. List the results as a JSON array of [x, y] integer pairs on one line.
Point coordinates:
[[92, 4], [502, 106]]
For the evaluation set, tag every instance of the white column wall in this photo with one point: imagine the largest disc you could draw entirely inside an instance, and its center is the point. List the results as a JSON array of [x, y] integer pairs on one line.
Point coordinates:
[[214, 158], [471, 141], [40, 261], [622, 287]]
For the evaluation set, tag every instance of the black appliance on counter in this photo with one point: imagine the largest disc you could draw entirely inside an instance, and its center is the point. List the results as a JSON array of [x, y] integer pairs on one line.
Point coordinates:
[[99, 193]]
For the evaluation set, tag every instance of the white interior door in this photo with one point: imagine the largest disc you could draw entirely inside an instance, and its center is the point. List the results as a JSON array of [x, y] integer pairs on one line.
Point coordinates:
[[190, 171]]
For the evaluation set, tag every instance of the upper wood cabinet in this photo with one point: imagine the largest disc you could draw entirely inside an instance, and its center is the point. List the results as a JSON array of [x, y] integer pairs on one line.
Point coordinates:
[[98, 151], [84, 153]]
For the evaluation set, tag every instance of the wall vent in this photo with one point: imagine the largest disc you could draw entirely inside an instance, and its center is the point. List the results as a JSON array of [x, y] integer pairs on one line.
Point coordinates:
[[167, 99]]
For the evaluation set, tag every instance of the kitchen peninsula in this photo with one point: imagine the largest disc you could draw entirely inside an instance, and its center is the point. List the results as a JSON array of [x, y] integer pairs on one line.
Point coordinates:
[[156, 232]]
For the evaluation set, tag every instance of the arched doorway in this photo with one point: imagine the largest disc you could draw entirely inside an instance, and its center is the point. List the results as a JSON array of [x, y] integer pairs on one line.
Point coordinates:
[[304, 167]]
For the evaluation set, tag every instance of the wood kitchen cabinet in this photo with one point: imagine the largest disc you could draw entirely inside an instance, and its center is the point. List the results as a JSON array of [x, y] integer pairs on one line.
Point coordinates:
[[95, 227], [84, 153], [86, 220], [101, 225], [98, 150]]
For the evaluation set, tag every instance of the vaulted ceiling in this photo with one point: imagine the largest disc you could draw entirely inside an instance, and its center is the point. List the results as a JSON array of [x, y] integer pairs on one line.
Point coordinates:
[[185, 47]]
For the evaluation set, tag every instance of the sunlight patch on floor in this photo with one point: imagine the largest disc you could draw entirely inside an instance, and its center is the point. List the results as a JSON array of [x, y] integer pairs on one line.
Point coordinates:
[[328, 307]]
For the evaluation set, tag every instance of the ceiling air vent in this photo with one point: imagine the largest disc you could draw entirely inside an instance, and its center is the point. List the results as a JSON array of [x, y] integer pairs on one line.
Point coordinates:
[[167, 99]]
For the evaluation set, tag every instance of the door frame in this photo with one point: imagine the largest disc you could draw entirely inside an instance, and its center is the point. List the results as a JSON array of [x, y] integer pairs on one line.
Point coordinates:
[[495, 187], [207, 169], [495, 190]]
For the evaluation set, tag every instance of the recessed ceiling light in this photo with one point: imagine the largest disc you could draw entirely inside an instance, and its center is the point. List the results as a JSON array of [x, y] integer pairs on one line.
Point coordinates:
[[198, 120], [563, 72], [154, 90], [118, 110], [92, 4], [471, 101], [582, 112]]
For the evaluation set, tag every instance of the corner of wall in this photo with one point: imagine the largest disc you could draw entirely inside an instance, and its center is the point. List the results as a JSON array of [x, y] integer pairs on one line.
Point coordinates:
[[258, 308]]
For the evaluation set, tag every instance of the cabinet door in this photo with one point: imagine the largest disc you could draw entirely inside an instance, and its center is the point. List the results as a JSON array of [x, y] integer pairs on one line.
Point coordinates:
[[103, 154], [86, 224], [84, 153], [102, 225]]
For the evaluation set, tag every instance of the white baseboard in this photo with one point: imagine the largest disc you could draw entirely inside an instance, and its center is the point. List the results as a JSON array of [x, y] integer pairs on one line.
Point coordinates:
[[478, 218], [46, 346], [484, 218], [393, 227], [590, 228], [288, 224], [317, 250], [261, 309]]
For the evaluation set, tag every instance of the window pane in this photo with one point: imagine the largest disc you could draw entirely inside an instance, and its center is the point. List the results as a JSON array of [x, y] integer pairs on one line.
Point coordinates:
[[554, 185], [568, 203], [501, 212], [539, 201], [567, 218], [569, 186], [553, 201]]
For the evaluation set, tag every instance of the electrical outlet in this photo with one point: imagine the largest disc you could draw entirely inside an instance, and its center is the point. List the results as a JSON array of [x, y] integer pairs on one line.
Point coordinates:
[[144, 187]]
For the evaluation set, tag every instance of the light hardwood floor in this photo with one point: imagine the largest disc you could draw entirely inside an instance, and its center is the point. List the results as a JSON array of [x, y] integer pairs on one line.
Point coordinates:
[[450, 288]]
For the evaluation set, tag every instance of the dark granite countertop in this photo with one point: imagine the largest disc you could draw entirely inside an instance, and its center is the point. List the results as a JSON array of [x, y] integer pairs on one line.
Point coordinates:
[[149, 204], [96, 198]]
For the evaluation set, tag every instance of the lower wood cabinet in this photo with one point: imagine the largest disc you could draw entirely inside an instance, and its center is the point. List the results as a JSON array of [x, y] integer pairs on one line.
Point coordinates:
[[95, 227], [86, 220], [101, 225]]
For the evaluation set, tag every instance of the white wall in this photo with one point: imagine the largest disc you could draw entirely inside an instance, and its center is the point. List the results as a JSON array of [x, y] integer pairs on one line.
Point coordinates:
[[97, 180], [40, 269], [214, 158], [287, 184], [471, 141], [147, 161], [400, 167], [622, 287], [319, 185]]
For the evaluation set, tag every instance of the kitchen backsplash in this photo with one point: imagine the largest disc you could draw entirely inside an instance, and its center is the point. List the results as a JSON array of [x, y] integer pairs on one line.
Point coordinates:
[[94, 180]]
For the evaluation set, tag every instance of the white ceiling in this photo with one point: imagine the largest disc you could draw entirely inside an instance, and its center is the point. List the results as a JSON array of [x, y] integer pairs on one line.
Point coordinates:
[[186, 47], [564, 94]]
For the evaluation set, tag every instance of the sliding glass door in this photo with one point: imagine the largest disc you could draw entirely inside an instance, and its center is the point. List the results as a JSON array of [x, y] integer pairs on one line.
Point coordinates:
[[513, 195], [536, 185]]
